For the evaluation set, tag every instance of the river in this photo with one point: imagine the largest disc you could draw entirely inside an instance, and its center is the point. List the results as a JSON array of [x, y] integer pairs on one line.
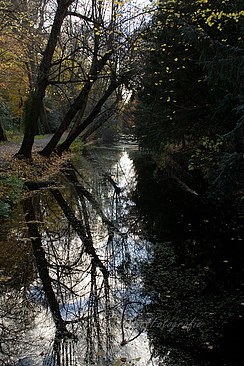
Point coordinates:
[[112, 266]]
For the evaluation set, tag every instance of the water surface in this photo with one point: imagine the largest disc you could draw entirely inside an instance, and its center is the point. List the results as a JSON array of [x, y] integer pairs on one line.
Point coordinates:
[[112, 267]]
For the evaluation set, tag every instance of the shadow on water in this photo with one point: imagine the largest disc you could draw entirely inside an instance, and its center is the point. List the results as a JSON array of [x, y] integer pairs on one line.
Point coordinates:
[[193, 276], [112, 267]]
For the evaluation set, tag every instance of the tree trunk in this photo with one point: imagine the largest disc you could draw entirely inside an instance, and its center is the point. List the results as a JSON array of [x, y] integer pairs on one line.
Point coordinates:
[[44, 120], [96, 110], [99, 122], [42, 267], [78, 226], [79, 104], [83, 192], [31, 118], [33, 185], [3, 136]]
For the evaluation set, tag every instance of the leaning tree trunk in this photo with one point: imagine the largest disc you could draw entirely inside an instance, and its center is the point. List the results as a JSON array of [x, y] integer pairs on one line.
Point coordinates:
[[80, 229], [78, 105], [31, 118], [3, 136], [99, 122], [96, 110], [45, 126], [94, 113]]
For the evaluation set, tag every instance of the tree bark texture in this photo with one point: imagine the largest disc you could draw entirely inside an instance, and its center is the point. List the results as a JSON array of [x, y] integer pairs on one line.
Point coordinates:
[[79, 104], [81, 127], [31, 119], [3, 136], [100, 121]]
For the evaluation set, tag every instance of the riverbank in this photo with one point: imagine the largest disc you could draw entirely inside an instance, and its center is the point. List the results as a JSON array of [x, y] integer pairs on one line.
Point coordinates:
[[215, 174], [15, 172]]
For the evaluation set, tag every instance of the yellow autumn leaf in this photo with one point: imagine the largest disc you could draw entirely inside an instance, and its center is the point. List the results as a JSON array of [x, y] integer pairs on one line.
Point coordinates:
[[100, 353], [117, 363], [5, 278]]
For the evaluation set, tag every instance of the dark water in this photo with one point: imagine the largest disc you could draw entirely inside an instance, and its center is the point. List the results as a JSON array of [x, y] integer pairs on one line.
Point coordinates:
[[113, 267]]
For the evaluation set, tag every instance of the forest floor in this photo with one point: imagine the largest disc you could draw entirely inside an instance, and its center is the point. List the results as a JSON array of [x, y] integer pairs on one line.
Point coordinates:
[[14, 170], [10, 148]]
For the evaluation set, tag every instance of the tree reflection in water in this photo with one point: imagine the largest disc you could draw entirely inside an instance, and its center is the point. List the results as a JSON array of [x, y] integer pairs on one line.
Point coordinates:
[[83, 243], [98, 284]]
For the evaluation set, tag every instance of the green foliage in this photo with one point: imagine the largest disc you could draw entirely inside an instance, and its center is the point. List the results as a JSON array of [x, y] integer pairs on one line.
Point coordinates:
[[193, 72], [11, 192], [206, 156], [53, 114], [9, 122], [172, 102], [237, 134], [76, 146], [227, 184], [109, 131], [4, 209], [14, 136], [191, 91], [222, 170]]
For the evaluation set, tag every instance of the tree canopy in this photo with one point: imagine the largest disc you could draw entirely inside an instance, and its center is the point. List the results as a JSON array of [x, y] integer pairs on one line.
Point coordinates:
[[189, 98]]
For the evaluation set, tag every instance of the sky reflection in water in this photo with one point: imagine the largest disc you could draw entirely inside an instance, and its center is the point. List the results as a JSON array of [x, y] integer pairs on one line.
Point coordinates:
[[99, 309]]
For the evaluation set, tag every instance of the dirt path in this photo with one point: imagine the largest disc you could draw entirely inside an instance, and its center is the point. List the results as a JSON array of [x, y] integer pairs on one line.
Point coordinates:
[[38, 168], [9, 148]]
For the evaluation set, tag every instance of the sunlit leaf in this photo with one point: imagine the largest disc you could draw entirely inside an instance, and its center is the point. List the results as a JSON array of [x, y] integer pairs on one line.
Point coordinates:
[[117, 363], [101, 353]]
